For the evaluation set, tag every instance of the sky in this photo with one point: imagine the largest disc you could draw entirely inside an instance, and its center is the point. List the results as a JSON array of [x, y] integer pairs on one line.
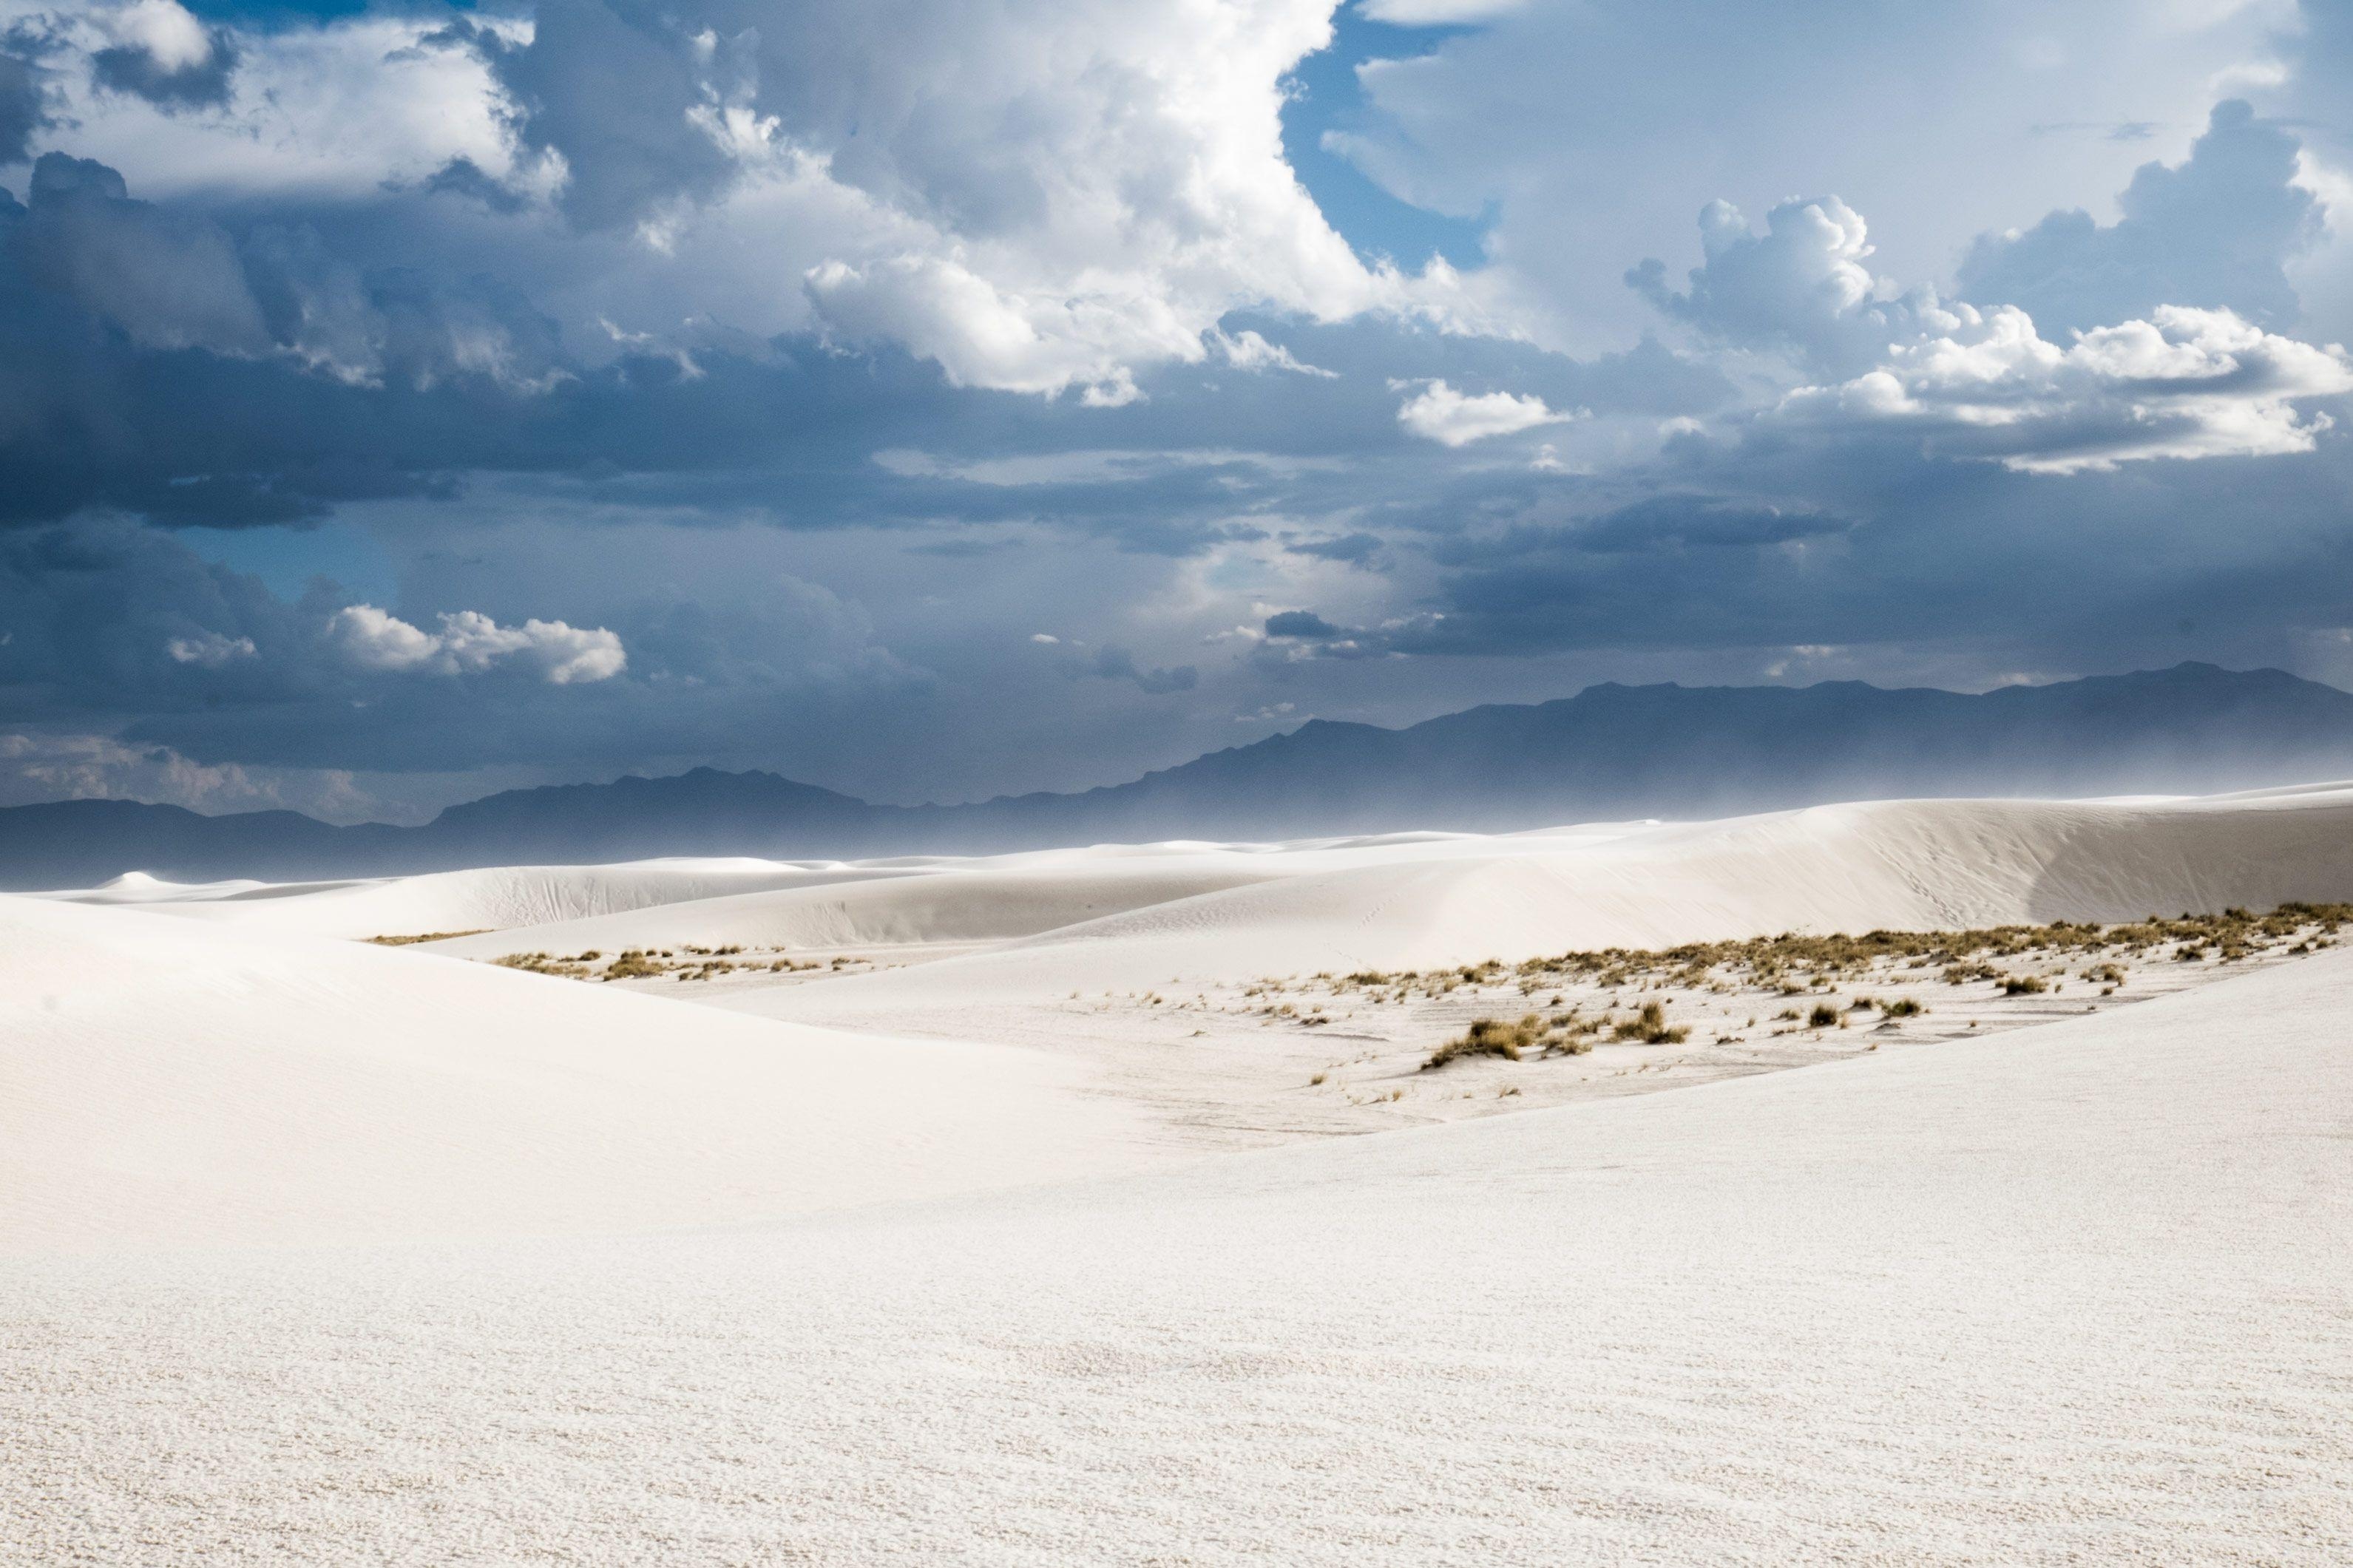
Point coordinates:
[[934, 400]]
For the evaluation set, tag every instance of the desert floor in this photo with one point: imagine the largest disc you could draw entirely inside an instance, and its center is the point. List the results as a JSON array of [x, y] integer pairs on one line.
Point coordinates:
[[1101, 1204]]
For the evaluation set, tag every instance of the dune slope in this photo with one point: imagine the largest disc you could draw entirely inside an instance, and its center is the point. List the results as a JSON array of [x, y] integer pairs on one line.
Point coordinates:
[[1900, 865], [491, 897], [167, 1082]]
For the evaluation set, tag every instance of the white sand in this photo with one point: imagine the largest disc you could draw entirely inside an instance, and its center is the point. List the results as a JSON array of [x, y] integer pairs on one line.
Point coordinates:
[[496, 897], [2077, 1293], [1157, 914], [175, 1084]]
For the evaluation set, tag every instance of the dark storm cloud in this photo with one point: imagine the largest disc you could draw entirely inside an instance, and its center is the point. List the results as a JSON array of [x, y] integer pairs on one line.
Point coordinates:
[[1302, 625], [1902, 552], [1357, 549], [1113, 663], [462, 177], [1655, 525], [108, 621], [611, 87], [22, 110], [134, 70]]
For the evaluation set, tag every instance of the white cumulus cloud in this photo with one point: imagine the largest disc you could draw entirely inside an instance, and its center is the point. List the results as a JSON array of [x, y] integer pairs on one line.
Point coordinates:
[[1439, 413], [2185, 383], [470, 642], [172, 36], [1437, 13]]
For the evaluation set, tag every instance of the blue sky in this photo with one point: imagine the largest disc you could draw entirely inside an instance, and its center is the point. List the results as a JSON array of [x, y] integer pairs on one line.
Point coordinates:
[[931, 401]]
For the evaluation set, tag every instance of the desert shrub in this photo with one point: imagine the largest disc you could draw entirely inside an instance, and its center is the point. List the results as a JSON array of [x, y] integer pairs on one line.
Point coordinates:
[[1650, 1028], [1489, 1037], [1824, 1016], [2023, 986], [1900, 1007]]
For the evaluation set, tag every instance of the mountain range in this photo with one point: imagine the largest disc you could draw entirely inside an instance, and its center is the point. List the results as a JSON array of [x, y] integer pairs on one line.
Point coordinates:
[[1609, 753]]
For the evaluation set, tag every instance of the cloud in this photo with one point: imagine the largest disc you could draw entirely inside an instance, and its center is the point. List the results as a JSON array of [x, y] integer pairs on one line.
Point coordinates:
[[2216, 231], [2185, 383], [1293, 637], [164, 55], [1439, 413], [1113, 663], [945, 312], [1249, 350], [470, 642], [1657, 525], [1802, 285], [1034, 219], [75, 766], [1301, 626], [1359, 549], [22, 110], [1436, 13], [172, 279], [210, 650]]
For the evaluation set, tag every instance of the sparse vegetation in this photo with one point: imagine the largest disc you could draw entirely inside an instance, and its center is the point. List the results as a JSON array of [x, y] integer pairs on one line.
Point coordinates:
[[1490, 1037], [424, 936], [1517, 1015], [699, 963]]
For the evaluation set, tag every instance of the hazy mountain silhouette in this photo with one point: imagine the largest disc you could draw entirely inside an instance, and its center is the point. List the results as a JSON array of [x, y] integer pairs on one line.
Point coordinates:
[[1609, 753]]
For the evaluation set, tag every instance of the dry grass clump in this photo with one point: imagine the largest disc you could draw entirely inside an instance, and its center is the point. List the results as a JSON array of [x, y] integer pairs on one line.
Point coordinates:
[[1566, 1035], [424, 936], [574, 968], [2023, 986], [1650, 1028], [1490, 1038]]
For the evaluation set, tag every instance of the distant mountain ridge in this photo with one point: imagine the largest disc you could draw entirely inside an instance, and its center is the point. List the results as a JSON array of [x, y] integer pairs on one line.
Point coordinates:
[[1609, 753]]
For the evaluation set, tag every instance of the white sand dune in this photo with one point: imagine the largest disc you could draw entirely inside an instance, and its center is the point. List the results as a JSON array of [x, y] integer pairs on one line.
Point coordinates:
[[491, 897], [954, 903], [165, 1082], [1903, 865], [2076, 1294]]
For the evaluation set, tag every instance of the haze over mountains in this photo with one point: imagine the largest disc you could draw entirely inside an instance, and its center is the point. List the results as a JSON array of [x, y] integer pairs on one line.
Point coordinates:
[[1609, 753]]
